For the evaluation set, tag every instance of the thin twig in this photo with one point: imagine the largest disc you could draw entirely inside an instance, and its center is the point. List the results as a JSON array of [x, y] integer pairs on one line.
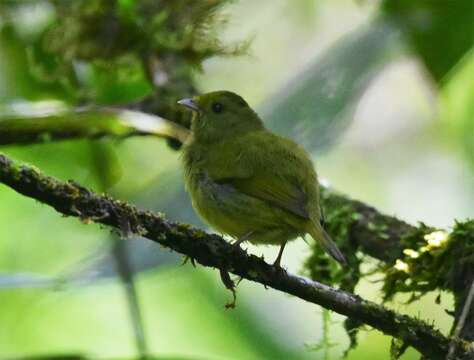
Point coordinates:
[[461, 321], [128, 280], [104, 166]]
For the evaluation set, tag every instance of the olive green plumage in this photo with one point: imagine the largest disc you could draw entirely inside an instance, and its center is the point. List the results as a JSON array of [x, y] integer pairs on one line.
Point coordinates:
[[246, 181]]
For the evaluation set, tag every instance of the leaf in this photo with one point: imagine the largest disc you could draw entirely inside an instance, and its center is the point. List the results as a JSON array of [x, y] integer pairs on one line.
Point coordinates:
[[27, 70], [120, 82], [441, 32], [16, 80]]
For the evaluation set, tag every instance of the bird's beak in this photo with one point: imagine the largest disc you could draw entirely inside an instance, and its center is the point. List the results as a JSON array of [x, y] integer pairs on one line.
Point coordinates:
[[189, 103]]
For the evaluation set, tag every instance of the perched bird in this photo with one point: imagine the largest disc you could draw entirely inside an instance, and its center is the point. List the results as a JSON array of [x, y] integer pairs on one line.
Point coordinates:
[[247, 182]]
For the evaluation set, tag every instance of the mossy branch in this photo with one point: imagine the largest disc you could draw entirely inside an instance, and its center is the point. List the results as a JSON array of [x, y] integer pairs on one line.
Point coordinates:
[[209, 250], [415, 259]]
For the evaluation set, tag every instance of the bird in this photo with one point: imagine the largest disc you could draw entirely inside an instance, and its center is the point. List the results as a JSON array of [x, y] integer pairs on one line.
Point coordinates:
[[247, 182]]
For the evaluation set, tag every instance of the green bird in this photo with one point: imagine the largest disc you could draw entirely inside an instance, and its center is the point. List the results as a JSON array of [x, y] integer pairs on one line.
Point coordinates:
[[247, 182]]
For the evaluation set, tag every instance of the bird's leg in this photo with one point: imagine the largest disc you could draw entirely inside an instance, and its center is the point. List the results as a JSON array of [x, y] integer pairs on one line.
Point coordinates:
[[280, 253], [241, 239]]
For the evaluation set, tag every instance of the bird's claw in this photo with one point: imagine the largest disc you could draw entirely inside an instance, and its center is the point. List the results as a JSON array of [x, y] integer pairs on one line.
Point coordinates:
[[240, 240], [231, 305], [230, 285]]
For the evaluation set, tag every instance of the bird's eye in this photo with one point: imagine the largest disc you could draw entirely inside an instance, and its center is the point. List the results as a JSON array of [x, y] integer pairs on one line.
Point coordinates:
[[217, 107]]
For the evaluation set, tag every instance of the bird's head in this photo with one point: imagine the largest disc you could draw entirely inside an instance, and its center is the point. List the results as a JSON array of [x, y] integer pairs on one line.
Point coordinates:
[[219, 115]]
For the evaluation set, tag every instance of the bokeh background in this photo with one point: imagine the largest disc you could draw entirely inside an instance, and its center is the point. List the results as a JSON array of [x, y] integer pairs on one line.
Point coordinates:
[[381, 95]]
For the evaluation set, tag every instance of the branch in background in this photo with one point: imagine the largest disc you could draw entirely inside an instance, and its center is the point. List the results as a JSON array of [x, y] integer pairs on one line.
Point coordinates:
[[41, 122], [71, 199]]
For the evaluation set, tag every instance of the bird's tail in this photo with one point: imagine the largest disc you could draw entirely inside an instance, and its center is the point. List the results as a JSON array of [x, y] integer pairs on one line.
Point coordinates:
[[320, 235]]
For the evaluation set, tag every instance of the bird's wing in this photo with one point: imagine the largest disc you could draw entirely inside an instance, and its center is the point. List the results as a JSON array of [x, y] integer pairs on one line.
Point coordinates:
[[276, 191], [256, 169]]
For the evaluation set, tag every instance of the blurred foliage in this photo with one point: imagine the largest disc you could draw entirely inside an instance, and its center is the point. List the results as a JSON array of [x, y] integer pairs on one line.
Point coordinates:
[[441, 32], [113, 52], [17, 81], [106, 30], [457, 106], [134, 48]]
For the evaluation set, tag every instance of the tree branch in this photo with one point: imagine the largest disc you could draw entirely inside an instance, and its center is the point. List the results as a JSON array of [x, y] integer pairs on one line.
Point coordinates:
[[209, 250], [40, 122]]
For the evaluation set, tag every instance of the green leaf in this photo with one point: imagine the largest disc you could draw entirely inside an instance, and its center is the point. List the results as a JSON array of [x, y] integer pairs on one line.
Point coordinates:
[[15, 79], [118, 83], [27, 71], [441, 32]]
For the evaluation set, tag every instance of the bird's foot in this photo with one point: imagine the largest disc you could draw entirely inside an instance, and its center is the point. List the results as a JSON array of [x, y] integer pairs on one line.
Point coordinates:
[[277, 262], [240, 240], [230, 285], [277, 266], [231, 304]]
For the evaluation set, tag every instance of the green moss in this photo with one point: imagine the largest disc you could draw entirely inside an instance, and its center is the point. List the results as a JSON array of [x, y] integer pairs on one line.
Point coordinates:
[[427, 263], [15, 170], [428, 260]]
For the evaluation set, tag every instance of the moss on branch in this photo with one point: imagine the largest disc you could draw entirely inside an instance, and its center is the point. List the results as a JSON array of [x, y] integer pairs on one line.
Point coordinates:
[[414, 259], [72, 199]]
